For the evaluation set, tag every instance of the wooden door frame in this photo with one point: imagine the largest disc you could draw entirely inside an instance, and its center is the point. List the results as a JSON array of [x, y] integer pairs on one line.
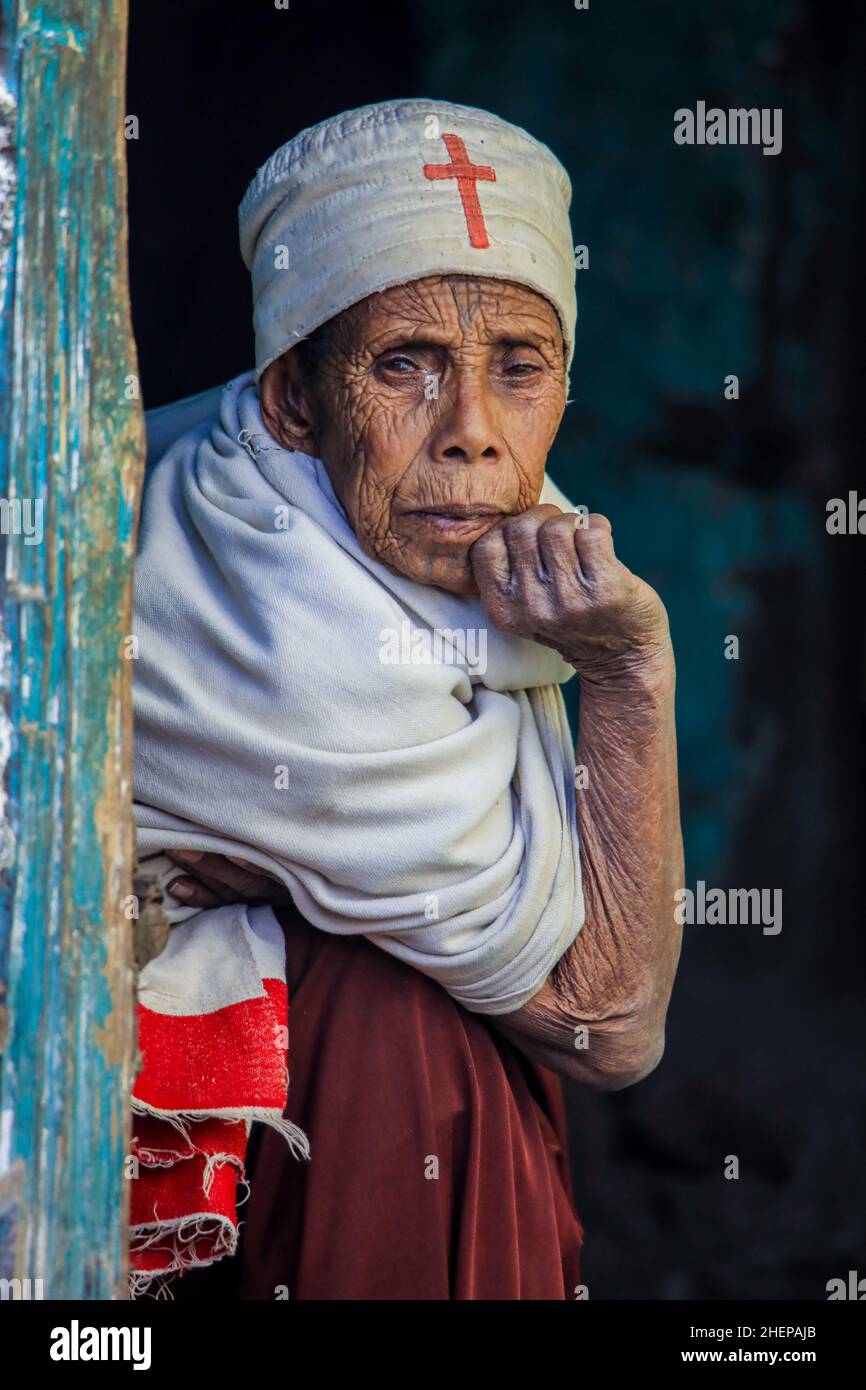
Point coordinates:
[[72, 440]]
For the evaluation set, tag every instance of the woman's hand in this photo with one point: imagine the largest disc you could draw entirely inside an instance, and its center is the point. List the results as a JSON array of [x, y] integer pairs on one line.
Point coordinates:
[[553, 576], [213, 880]]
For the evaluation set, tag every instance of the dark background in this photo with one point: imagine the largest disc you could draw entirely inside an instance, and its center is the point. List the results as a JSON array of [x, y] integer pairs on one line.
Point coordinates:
[[703, 262]]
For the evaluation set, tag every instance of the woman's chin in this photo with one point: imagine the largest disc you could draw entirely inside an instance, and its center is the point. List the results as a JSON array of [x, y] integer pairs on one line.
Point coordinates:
[[448, 568]]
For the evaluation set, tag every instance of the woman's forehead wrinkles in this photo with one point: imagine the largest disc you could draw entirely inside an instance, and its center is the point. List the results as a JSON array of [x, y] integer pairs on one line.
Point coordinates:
[[445, 293], [487, 311], [468, 297]]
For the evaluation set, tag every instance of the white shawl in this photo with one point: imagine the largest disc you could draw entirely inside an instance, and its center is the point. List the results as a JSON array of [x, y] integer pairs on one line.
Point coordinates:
[[300, 706]]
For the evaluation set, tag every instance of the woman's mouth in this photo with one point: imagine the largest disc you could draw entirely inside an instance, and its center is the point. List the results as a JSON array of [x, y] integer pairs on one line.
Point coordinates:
[[457, 520]]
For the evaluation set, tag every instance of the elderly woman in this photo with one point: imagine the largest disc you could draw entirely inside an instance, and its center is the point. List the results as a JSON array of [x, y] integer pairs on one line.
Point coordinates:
[[358, 596]]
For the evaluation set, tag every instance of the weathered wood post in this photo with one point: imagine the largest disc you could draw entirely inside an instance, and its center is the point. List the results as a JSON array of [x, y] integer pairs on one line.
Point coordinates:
[[71, 461]]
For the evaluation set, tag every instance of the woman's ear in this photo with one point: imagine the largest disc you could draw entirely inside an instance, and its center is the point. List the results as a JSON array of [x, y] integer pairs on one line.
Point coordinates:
[[286, 405]]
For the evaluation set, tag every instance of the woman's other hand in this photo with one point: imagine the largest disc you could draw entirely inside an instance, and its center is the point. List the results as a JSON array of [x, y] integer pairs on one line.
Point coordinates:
[[214, 880]]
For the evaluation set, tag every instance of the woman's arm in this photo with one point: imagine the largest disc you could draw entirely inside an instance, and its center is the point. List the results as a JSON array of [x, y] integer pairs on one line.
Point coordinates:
[[599, 1017]]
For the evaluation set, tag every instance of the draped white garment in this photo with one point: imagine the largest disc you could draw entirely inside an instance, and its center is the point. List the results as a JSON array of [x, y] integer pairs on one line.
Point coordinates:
[[427, 804]]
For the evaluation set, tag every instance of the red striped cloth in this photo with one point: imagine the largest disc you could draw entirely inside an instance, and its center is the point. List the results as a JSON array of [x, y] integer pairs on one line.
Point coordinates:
[[213, 1014]]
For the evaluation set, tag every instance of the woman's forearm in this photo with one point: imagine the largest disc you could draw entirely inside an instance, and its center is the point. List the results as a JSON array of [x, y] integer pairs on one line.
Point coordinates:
[[600, 1015]]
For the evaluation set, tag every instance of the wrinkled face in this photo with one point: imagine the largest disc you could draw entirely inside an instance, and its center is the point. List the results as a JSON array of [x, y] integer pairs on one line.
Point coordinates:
[[433, 410]]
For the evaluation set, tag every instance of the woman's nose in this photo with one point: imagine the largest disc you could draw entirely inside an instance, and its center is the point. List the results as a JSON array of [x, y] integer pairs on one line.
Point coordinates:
[[466, 430]]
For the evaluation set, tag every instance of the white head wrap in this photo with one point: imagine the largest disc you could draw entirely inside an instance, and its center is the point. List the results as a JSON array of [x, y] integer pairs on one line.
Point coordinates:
[[390, 193]]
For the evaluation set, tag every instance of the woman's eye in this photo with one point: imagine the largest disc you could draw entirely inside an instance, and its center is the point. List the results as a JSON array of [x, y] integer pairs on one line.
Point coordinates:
[[522, 368], [400, 364]]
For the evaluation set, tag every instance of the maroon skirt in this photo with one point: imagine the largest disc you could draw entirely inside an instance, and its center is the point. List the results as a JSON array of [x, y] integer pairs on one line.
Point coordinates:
[[439, 1166]]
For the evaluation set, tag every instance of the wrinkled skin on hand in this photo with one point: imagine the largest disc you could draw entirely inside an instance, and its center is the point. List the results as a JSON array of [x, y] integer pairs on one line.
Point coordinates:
[[553, 576]]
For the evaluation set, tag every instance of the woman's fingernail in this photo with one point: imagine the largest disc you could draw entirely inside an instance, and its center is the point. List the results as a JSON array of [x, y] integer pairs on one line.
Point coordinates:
[[187, 856], [240, 863], [181, 889]]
